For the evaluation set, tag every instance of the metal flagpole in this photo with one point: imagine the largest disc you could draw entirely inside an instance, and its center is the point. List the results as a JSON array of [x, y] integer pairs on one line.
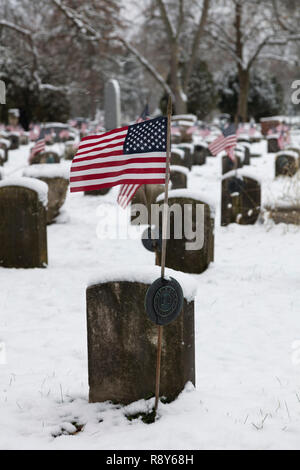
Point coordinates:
[[164, 247]]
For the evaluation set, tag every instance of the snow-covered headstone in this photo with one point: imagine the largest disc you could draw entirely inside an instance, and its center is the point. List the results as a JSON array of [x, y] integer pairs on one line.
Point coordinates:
[[13, 117], [178, 177], [122, 340], [23, 235], [200, 154], [14, 139], [190, 247], [273, 145], [112, 105], [56, 176], [241, 198], [286, 163], [45, 157], [228, 164]]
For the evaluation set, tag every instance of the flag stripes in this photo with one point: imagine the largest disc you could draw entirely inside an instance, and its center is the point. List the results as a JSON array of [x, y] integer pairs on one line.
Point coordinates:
[[38, 147], [130, 155], [227, 141]]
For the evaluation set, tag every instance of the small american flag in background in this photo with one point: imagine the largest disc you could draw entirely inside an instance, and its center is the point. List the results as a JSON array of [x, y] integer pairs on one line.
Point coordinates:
[[226, 141], [127, 191], [38, 147], [133, 154]]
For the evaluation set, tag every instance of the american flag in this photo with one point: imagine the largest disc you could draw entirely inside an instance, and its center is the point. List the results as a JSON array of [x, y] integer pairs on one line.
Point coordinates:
[[284, 136], [127, 191], [38, 147], [133, 154], [226, 141]]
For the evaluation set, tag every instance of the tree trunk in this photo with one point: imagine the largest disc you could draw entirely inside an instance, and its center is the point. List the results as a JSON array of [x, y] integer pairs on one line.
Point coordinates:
[[242, 111], [180, 104]]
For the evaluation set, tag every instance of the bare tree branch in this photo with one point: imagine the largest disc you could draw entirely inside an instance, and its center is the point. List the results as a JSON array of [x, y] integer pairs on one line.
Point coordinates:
[[163, 11], [197, 37]]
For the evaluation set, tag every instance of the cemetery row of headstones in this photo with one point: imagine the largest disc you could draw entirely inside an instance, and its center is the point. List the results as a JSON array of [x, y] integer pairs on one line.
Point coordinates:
[[115, 306]]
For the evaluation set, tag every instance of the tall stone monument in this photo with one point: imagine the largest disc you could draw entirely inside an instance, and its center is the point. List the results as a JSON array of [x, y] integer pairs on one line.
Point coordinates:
[[112, 105]]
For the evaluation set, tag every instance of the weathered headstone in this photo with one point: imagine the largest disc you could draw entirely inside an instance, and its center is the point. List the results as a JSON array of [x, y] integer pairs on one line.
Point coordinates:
[[4, 145], [57, 178], [229, 165], [200, 153], [286, 163], [45, 157], [112, 105], [24, 139], [188, 154], [13, 117], [241, 199], [14, 139], [273, 146], [122, 340], [70, 150], [178, 177], [246, 148], [180, 158], [180, 255], [284, 215], [23, 234]]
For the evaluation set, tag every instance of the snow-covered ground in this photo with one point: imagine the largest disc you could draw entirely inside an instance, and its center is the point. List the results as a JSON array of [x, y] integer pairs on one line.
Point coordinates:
[[247, 393]]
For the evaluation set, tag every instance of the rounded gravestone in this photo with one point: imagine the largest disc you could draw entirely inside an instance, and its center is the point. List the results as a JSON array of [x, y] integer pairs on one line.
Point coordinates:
[[45, 157], [23, 232], [286, 163], [24, 139], [241, 199], [14, 141], [178, 176], [70, 150], [229, 165], [190, 244], [188, 154], [178, 157], [122, 340], [273, 146], [56, 176], [200, 153]]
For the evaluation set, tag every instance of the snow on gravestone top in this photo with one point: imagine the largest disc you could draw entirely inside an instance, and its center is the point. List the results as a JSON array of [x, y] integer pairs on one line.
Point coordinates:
[[272, 136], [184, 117], [289, 153], [188, 194], [198, 141], [180, 169], [242, 172], [6, 142], [2, 92], [38, 186], [147, 275], [44, 170], [178, 152], [187, 146]]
